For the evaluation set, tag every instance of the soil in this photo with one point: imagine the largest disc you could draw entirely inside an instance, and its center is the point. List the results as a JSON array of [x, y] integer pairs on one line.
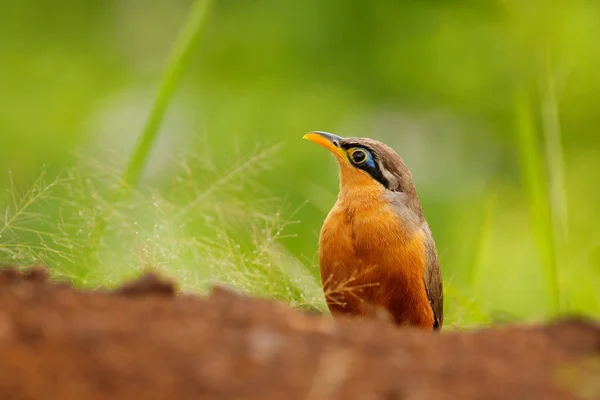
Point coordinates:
[[147, 341]]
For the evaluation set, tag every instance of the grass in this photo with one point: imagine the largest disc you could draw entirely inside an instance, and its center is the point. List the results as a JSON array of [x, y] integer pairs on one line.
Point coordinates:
[[175, 65], [182, 49], [542, 167], [557, 198], [197, 231], [532, 161], [25, 234], [539, 143]]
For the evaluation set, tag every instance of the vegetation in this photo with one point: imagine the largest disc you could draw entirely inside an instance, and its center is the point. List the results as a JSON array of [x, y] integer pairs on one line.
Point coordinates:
[[195, 165]]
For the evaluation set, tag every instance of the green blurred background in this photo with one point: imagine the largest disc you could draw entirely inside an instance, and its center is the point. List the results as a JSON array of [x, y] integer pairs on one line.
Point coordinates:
[[492, 104]]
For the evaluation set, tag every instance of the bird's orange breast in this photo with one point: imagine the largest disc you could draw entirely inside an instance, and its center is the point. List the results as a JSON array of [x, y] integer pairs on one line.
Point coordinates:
[[368, 257]]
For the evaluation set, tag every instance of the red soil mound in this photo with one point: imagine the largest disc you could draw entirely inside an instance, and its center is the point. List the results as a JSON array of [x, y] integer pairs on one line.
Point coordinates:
[[145, 342]]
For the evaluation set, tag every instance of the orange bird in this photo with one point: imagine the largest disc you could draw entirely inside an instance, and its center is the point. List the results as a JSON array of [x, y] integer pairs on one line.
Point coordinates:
[[376, 250]]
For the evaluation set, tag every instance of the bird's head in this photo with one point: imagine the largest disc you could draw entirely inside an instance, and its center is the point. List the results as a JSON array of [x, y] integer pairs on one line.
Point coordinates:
[[369, 165]]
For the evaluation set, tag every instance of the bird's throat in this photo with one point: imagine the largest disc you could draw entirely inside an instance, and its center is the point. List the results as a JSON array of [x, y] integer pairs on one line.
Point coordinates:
[[359, 189]]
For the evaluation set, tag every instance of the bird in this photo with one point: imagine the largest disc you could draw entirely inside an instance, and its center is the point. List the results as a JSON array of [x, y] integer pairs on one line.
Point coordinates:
[[377, 255]]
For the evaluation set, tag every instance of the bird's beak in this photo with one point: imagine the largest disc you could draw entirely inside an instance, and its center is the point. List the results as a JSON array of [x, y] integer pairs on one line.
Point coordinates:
[[328, 140]]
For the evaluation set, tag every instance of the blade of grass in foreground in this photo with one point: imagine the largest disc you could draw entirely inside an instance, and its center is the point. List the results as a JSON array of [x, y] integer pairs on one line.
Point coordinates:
[[180, 54], [556, 193], [178, 59], [533, 173]]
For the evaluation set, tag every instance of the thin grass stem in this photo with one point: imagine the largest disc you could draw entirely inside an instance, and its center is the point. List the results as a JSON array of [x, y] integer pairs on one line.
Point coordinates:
[[178, 58], [531, 157], [557, 199]]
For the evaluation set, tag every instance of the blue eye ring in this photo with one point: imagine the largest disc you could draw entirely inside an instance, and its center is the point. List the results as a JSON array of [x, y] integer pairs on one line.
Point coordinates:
[[358, 156]]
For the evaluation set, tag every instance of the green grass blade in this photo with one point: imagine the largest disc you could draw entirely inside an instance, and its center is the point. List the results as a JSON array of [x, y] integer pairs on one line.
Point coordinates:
[[533, 175], [178, 58], [177, 61], [556, 193]]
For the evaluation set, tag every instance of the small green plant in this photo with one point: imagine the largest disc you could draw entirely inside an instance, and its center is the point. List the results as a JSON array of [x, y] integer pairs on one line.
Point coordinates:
[[26, 234], [197, 231]]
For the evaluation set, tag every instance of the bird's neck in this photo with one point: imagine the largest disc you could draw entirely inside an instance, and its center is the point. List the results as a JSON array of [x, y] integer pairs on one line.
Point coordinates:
[[361, 197], [357, 196]]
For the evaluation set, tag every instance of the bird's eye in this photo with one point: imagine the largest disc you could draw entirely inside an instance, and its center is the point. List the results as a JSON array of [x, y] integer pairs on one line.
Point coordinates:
[[359, 156]]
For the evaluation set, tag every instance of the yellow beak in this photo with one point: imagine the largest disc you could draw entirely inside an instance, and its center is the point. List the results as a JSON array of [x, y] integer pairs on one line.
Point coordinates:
[[328, 140]]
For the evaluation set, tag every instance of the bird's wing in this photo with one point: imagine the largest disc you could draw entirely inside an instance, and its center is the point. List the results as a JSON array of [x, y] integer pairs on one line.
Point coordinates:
[[433, 279]]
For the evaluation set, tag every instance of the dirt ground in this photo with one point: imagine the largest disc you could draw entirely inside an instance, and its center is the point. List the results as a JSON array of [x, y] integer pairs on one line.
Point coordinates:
[[143, 341]]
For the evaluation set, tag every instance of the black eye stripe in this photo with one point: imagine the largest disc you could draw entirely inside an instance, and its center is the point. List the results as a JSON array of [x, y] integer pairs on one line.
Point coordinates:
[[371, 169], [349, 145]]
